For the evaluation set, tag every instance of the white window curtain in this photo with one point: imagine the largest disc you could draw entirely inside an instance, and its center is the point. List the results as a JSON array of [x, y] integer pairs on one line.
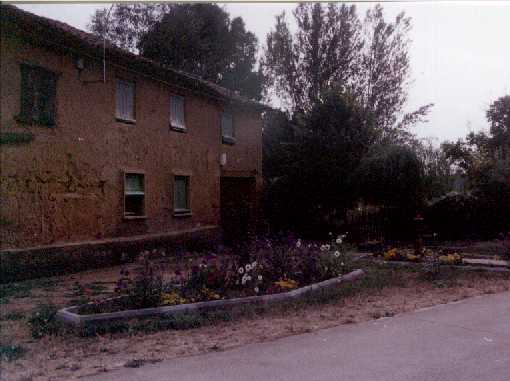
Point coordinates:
[[227, 128], [177, 112], [125, 100]]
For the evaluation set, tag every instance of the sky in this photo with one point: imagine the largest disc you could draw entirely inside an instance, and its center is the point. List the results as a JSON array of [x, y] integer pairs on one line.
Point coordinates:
[[460, 53]]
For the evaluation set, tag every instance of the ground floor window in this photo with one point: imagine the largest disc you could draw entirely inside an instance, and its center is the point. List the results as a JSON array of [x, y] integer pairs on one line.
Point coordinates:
[[134, 194], [181, 195]]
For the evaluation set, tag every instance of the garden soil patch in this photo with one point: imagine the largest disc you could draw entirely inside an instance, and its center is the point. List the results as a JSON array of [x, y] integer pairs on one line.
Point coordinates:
[[68, 357]]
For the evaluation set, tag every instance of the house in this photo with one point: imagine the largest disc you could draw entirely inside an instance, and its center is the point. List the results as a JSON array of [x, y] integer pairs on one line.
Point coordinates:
[[101, 146]]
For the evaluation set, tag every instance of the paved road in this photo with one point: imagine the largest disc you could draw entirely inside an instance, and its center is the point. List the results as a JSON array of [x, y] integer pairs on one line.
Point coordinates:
[[464, 341]]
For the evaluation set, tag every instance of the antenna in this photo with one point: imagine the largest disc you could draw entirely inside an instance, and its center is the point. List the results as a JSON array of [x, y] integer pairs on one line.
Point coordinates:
[[105, 32]]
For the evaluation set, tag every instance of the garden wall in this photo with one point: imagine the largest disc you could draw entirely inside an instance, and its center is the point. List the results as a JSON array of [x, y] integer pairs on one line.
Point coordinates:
[[22, 264]]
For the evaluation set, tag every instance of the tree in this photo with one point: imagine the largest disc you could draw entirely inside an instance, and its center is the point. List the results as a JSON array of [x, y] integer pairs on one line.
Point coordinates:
[[321, 54], [313, 171], [127, 23], [197, 38], [332, 47], [498, 116], [391, 175]]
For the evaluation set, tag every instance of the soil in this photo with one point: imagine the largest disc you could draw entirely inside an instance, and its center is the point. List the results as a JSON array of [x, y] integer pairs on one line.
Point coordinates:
[[69, 357]]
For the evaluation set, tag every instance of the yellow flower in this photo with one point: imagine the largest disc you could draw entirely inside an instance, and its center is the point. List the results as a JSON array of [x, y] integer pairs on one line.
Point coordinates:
[[287, 284], [172, 298]]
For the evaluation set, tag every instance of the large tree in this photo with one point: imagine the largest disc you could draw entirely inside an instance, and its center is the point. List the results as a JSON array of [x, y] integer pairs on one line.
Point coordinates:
[[197, 38], [333, 47], [311, 162]]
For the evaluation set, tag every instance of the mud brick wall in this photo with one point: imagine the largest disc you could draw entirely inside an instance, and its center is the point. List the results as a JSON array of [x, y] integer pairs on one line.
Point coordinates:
[[65, 184]]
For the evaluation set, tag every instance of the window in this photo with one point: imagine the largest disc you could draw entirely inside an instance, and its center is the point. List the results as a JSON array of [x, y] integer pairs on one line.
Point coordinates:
[[177, 120], [134, 195], [181, 195], [125, 101], [227, 128], [38, 94]]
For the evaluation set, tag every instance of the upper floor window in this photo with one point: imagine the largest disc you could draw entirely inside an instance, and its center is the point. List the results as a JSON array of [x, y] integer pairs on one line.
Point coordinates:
[[227, 128], [38, 95], [125, 95], [177, 120]]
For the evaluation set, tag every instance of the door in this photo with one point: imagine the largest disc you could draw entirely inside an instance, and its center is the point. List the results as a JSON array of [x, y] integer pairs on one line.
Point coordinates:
[[237, 208]]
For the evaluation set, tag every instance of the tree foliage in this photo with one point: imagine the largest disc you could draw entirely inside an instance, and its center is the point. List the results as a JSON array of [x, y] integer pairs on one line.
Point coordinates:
[[197, 38], [333, 47], [391, 175], [312, 172]]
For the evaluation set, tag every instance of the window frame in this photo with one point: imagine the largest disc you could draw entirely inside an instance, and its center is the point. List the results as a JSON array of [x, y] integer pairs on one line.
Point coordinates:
[[119, 117], [27, 116], [181, 212], [227, 139], [173, 126], [126, 173]]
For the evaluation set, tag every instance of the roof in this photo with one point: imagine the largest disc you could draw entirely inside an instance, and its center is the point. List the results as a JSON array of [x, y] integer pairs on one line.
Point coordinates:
[[62, 36]]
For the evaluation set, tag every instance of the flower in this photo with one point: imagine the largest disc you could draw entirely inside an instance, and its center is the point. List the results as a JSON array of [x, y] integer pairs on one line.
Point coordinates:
[[259, 277], [342, 264], [254, 264], [327, 247], [337, 254], [248, 267], [256, 289], [241, 270], [298, 243], [339, 240]]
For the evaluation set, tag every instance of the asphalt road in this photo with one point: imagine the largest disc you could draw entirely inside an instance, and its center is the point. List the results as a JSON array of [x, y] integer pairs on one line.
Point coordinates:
[[463, 341]]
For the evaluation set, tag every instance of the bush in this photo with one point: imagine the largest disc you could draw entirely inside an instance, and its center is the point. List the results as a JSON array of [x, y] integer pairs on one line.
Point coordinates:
[[482, 214], [146, 285], [43, 321], [11, 352]]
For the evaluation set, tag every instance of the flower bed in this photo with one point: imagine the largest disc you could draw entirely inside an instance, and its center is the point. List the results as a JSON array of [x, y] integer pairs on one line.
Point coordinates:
[[442, 257], [264, 272]]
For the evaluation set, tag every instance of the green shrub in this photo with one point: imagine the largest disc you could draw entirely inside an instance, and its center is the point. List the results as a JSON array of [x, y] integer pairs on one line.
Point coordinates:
[[11, 352], [43, 321]]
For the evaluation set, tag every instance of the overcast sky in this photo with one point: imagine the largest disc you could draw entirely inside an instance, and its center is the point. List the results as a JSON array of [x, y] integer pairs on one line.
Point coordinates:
[[460, 53]]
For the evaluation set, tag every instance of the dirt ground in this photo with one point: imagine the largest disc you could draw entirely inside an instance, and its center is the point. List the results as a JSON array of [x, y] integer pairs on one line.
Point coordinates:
[[69, 356]]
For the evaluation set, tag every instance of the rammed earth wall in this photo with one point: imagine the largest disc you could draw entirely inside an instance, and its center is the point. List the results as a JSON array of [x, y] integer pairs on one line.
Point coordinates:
[[65, 184]]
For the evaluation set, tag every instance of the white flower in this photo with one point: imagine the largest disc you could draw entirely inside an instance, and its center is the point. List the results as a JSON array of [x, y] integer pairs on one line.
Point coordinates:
[[327, 247], [241, 270], [337, 253], [248, 267], [342, 264], [248, 277], [259, 277], [254, 264], [298, 243], [339, 240], [256, 289], [330, 233], [245, 278], [323, 247]]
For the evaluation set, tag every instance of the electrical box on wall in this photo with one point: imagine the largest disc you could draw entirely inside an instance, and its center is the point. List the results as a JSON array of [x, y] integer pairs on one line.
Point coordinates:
[[223, 159]]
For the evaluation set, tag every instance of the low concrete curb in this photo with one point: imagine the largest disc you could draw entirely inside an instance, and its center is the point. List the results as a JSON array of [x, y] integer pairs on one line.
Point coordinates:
[[70, 316], [465, 267]]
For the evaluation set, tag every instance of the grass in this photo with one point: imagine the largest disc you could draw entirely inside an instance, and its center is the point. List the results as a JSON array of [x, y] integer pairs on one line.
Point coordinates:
[[13, 316], [24, 289], [11, 352]]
